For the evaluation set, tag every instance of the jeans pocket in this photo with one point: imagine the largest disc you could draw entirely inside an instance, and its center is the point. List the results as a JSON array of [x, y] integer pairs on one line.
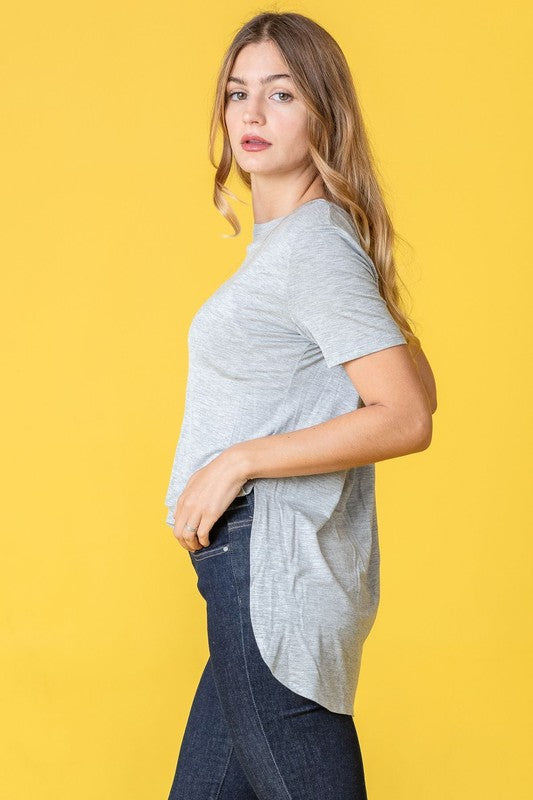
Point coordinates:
[[210, 550]]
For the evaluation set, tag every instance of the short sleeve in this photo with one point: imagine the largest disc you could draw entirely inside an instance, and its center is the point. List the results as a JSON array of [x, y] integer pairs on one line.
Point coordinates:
[[333, 296]]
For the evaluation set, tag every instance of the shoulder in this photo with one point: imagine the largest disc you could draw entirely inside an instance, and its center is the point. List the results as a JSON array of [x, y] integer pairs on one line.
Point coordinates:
[[321, 232], [321, 214]]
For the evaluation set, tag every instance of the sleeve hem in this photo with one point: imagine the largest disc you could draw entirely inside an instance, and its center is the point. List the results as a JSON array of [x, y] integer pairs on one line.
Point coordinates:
[[350, 353]]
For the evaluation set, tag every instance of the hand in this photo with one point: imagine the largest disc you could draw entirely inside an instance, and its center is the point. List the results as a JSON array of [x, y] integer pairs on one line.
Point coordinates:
[[208, 493]]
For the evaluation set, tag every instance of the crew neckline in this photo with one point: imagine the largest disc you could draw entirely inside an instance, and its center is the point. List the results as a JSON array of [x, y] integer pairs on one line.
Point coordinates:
[[261, 228]]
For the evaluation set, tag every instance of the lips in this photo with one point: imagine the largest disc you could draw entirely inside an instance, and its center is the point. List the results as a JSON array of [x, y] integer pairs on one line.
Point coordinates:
[[252, 138]]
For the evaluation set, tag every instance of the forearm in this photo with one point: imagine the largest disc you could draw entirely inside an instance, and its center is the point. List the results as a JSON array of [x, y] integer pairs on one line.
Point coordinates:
[[363, 436]]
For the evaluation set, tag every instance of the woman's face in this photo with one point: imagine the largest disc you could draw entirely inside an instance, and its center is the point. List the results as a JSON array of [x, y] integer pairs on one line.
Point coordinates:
[[272, 110]]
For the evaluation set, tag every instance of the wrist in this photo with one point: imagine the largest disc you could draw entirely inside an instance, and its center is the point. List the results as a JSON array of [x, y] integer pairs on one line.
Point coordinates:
[[238, 459]]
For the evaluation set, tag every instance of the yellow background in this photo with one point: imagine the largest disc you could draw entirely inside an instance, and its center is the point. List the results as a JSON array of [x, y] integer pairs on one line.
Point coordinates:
[[109, 243]]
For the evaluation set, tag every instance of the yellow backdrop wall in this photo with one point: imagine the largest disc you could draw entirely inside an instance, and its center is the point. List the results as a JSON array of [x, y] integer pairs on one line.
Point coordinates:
[[109, 243]]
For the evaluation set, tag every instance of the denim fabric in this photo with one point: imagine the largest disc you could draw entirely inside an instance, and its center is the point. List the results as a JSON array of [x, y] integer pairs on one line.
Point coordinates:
[[248, 736]]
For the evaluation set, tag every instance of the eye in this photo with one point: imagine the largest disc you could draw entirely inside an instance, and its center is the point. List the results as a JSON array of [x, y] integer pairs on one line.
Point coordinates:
[[229, 95], [284, 93]]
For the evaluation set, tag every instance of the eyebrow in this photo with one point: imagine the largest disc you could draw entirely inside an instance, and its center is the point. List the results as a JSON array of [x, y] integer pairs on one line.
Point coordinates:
[[262, 81]]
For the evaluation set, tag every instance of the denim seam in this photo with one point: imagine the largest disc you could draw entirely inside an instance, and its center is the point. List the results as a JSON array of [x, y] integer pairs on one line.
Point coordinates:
[[224, 773], [235, 526], [198, 555], [250, 683]]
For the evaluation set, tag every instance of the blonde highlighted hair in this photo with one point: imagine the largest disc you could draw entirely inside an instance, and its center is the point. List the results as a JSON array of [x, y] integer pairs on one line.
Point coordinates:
[[338, 142]]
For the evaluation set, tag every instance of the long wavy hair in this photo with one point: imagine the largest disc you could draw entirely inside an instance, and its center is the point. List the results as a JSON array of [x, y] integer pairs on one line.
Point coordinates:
[[338, 142]]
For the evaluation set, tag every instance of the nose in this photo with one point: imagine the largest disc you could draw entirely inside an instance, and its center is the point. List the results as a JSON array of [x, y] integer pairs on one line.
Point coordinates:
[[252, 112]]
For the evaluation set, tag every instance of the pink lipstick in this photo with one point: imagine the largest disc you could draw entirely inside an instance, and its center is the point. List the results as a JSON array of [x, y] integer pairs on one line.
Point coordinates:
[[253, 143]]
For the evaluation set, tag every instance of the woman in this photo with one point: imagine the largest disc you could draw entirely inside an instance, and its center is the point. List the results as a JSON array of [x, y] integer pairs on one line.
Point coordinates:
[[303, 372]]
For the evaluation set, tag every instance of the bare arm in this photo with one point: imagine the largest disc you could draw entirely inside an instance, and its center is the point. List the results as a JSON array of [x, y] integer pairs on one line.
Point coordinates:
[[426, 376], [395, 420]]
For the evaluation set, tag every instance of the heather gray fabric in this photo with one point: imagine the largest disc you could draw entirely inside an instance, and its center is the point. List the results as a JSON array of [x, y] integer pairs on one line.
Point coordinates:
[[265, 356]]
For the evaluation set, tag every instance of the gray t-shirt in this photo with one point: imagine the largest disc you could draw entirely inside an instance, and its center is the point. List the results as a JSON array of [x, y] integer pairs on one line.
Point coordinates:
[[265, 356]]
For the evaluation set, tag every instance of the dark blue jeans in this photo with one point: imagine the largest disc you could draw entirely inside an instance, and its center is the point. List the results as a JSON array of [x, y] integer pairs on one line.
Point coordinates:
[[248, 736]]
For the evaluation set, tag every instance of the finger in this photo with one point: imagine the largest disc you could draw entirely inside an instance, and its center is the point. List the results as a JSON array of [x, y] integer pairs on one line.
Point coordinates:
[[189, 541], [187, 538], [204, 528]]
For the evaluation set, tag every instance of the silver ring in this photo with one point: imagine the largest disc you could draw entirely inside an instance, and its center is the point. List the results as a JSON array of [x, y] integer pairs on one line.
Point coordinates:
[[190, 528]]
